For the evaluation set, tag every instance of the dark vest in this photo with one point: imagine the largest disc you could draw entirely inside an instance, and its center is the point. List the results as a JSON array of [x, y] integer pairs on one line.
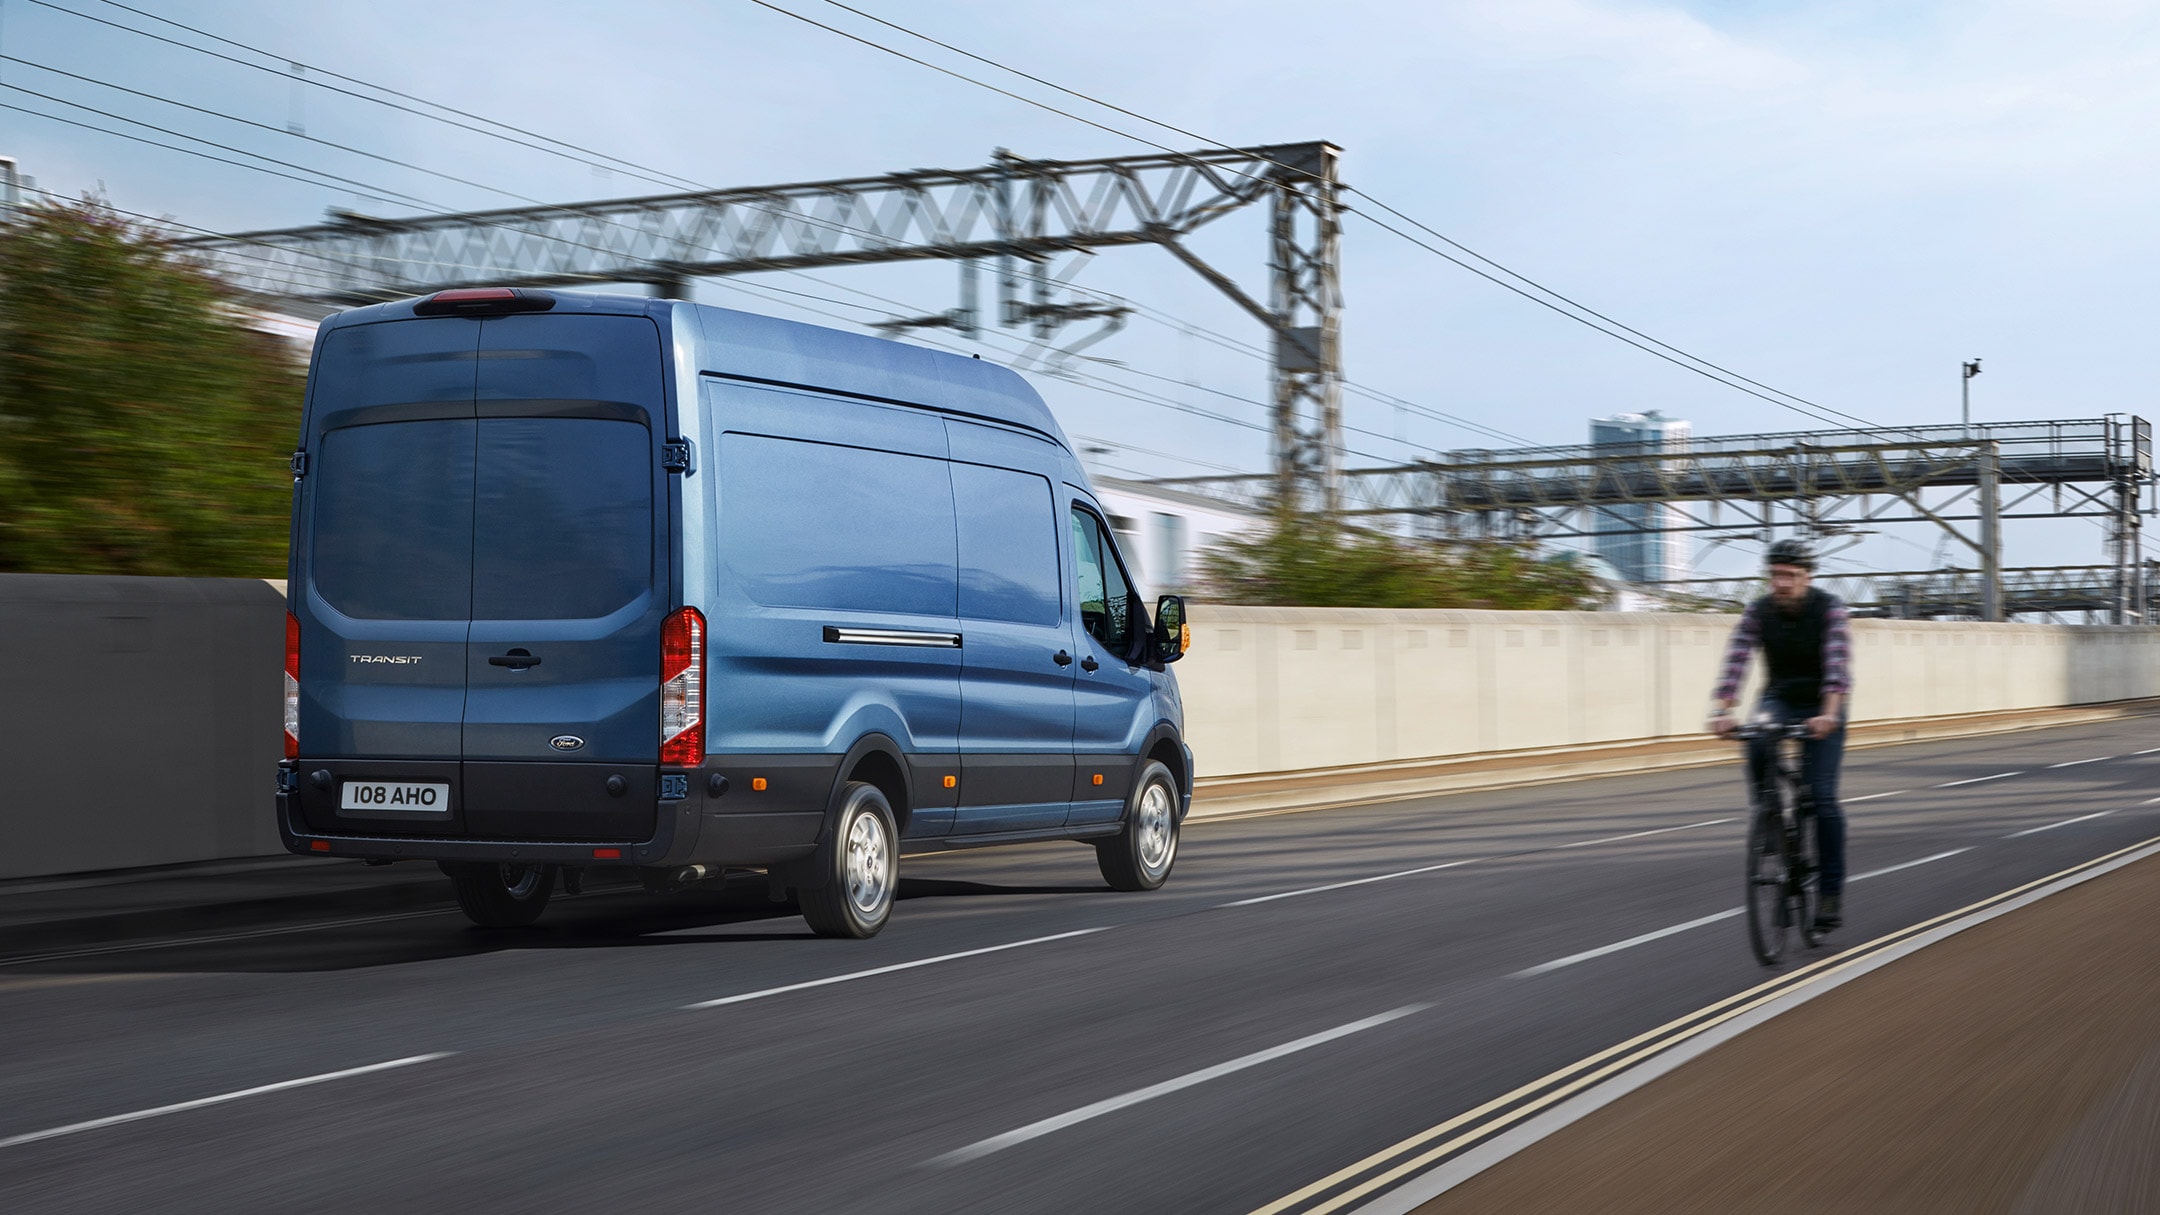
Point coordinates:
[[1792, 646]]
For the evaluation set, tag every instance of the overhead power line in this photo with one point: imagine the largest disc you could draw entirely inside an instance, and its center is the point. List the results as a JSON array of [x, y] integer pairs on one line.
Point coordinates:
[[1584, 316], [387, 194]]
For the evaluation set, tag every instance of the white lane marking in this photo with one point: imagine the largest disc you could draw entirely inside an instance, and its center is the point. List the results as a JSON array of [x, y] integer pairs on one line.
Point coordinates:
[[1385, 877], [1974, 781], [2051, 826], [1036, 1130], [886, 970], [2147, 751], [1614, 839], [1925, 860], [1872, 796], [2072, 763], [1389, 877], [1617, 946], [178, 1107]]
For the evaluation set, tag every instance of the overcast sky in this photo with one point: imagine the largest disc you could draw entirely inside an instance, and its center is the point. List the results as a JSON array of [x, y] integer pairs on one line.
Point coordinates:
[[1842, 200]]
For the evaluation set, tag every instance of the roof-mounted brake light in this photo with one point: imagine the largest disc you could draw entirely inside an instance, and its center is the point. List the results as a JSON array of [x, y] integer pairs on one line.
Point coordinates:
[[484, 301]]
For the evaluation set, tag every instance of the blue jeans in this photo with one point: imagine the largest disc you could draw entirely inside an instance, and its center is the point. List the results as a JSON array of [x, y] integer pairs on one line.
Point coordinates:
[[1819, 761]]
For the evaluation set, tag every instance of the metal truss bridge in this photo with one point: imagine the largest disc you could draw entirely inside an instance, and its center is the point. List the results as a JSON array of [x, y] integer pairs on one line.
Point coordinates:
[[1016, 212], [1967, 479]]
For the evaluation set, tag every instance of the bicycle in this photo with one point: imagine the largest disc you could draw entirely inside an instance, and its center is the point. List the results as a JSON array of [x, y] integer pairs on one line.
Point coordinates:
[[1783, 877]]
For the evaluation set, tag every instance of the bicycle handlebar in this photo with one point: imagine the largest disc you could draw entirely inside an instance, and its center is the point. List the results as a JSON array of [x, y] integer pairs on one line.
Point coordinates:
[[1772, 730]]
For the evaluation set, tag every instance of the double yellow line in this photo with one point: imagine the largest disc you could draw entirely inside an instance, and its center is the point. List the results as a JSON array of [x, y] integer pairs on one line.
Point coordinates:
[[1411, 1156]]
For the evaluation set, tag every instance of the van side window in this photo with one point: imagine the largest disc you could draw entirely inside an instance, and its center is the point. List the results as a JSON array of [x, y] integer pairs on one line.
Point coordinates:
[[1008, 545], [1105, 597], [816, 525]]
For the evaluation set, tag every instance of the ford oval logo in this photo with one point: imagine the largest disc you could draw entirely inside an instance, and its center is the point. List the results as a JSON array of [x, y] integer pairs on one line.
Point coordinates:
[[566, 742]]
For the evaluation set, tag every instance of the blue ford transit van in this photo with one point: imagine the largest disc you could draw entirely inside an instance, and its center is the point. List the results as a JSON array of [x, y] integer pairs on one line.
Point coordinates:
[[586, 581]]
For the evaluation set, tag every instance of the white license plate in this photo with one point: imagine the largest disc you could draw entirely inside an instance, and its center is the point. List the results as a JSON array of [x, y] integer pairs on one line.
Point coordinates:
[[394, 795]]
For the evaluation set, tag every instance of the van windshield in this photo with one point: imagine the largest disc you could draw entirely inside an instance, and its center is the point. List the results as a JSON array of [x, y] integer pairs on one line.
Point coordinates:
[[494, 519]]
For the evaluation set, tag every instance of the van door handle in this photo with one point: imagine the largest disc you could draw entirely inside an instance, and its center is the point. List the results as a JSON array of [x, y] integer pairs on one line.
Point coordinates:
[[1061, 658], [516, 660], [1089, 664]]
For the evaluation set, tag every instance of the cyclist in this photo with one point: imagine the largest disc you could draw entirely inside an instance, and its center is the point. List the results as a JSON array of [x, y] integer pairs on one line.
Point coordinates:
[[1804, 634]]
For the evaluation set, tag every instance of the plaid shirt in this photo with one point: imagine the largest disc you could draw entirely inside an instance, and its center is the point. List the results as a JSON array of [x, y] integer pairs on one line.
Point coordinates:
[[1837, 650]]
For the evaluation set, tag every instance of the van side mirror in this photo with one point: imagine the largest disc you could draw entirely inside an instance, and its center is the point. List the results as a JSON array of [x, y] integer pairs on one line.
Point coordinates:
[[1173, 636]]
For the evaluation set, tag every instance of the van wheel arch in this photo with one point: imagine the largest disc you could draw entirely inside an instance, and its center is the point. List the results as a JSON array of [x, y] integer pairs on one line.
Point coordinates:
[[1164, 747], [875, 760]]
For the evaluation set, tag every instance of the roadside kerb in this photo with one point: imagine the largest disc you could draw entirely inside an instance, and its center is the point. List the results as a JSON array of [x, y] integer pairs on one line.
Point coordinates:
[[1364, 784]]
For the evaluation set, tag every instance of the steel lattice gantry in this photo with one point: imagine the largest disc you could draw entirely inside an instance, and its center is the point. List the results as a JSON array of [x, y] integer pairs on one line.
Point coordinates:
[[1013, 210], [1966, 479], [2055, 590]]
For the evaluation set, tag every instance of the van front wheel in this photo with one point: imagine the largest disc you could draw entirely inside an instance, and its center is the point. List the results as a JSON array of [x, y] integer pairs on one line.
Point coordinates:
[[502, 896], [856, 896], [1140, 856]]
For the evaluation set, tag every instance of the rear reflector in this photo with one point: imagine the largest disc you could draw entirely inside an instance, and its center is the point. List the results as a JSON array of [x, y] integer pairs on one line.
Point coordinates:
[[484, 301], [320, 846], [292, 686], [607, 854], [682, 689]]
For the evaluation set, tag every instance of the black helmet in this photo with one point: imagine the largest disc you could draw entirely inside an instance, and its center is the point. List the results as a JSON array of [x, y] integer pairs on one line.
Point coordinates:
[[1791, 552]]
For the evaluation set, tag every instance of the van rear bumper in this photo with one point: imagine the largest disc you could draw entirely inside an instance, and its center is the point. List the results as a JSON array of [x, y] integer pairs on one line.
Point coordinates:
[[672, 843]]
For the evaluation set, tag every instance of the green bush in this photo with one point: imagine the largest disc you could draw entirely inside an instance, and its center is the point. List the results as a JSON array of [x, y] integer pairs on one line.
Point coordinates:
[[143, 427], [1307, 561]]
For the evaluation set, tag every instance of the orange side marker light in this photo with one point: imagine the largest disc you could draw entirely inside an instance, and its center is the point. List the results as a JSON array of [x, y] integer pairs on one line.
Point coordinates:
[[758, 783], [952, 782], [1098, 778]]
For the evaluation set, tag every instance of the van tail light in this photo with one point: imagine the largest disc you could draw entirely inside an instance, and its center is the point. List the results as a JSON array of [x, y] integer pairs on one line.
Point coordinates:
[[292, 686], [682, 689]]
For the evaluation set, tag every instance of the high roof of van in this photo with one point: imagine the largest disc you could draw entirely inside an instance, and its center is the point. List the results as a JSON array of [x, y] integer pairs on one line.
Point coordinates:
[[776, 351]]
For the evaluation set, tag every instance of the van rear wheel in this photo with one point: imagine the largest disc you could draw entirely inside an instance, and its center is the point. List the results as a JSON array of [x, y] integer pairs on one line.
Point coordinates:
[[1140, 856], [856, 897], [502, 896]]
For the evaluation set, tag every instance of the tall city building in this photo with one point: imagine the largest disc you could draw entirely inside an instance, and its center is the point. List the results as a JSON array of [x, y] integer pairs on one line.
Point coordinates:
[[1621, 533]]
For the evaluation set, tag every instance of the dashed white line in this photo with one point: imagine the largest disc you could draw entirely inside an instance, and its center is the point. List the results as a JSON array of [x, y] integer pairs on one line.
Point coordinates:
[[1036, 1130], [2072, 763], [1617, 946], [1974, 781], [2051, 826], [1389, 877], [1872, 796], [851, 976], [179, 1107], [2147, 751], [1925, 860]]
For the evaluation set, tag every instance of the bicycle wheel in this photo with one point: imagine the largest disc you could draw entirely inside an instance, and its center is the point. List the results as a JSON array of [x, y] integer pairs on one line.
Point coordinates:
[[1806, 878], [1768, 913]]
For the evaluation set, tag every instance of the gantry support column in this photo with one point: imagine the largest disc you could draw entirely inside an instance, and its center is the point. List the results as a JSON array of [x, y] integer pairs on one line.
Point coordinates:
[[1991, 575], [1306, 299]]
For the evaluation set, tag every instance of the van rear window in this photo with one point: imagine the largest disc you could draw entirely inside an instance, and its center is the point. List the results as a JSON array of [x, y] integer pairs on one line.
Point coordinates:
[[499, 519], [563, 518], [393, 512]]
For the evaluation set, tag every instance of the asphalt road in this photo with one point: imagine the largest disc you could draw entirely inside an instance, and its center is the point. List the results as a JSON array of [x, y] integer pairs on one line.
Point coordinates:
[[1308, 989]]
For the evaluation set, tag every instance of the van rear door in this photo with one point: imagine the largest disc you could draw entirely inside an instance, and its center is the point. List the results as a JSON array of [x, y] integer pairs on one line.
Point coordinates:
[[382, 577], [569, 579]]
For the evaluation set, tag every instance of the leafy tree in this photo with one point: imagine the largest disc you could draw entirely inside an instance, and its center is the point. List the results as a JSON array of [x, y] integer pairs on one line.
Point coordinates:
[[143, 426], [1309, 561]]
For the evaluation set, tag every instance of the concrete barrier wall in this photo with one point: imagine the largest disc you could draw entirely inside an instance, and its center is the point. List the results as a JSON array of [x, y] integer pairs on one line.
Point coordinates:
[[139, 716], [1282, 689], [139, 721]]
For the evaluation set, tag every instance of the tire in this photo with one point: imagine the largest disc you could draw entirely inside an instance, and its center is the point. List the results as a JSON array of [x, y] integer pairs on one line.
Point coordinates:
[[1767, 910], [1140, 856], [502, 896], [1807, 883], [856, 897]]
